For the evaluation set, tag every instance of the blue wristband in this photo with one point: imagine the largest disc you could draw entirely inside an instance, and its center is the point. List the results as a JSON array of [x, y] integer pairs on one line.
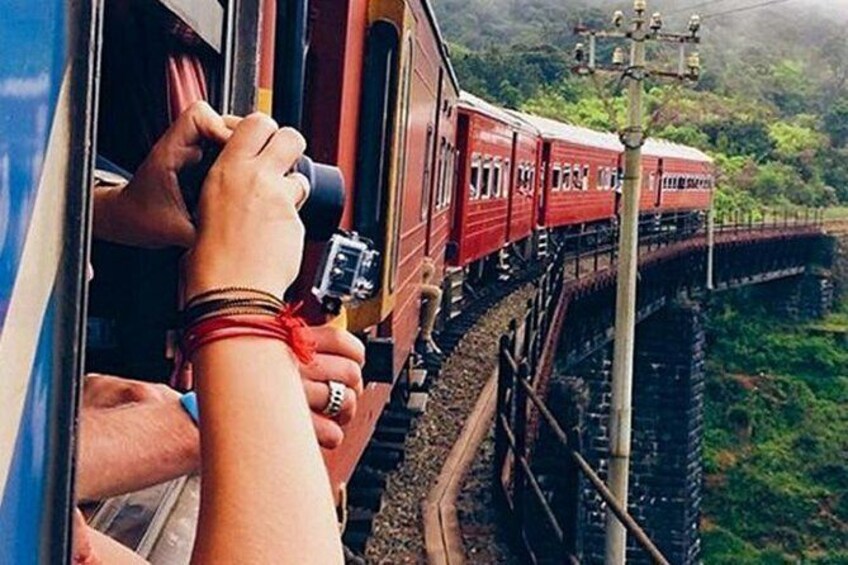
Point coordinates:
[[189, 404]]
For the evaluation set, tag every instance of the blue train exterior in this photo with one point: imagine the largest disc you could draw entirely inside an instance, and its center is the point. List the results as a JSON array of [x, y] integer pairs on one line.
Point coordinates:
[[45, 136]]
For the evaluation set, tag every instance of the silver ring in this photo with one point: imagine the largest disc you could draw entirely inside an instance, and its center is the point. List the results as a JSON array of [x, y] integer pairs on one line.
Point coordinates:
[[337, 396]]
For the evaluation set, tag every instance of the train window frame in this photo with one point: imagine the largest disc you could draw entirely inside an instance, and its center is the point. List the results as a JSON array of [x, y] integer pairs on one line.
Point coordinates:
[[566, 177], [601, 178], [427, 175], [576, 177], [496, 178], [486, 179], [443, 174], [507, 178], [474, 177], [556, 179], [587, 175]]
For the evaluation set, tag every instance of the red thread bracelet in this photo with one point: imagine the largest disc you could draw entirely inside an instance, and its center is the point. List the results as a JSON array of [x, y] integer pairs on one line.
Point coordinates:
[[285, 327]]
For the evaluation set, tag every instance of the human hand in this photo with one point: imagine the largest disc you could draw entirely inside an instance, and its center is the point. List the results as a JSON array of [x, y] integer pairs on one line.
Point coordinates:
[[249, 233], [339, 357], [83, 552], [149, 210], [105, 391]]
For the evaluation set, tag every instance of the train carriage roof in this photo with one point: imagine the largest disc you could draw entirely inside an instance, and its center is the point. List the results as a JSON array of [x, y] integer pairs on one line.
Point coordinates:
[[476, 103], [443, 46], [668, 150], [553, 129]]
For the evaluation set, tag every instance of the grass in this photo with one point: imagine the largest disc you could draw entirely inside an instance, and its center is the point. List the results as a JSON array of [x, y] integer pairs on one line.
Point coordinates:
[[776, 443], [836, 213]]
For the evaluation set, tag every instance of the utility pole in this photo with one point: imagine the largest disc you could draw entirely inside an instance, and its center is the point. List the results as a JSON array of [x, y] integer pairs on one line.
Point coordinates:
[[642, 29]]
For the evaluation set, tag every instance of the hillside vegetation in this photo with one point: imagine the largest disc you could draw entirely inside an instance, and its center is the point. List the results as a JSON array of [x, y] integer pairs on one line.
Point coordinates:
[[776, 446], [771, 108]]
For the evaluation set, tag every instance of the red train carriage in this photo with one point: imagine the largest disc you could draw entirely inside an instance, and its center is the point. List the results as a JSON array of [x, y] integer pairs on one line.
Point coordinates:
[[524, 181], [481, 208], [383, 68], [579, 168], [675, 178]]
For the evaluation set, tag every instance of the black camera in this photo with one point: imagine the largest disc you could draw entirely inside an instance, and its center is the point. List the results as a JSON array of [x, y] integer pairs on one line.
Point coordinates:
[[349, 270]]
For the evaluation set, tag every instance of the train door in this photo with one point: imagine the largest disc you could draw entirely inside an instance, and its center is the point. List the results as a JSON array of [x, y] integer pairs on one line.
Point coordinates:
[[47, 101], [381, 163], [659, 180], [436, 161], [543, 181]]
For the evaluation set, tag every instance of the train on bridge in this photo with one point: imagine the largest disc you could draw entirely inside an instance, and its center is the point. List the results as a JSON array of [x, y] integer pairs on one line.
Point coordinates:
[[433, 175]]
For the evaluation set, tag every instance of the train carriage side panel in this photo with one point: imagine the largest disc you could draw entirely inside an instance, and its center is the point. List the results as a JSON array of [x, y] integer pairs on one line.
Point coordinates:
[[522, 193], [684, 175], [402, 56], [578, 169], [576, 193], [46, 135], [480, 219]]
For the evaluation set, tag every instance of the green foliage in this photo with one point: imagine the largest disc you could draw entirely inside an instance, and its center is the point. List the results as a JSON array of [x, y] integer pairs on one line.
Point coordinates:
[[836, 122], [795, 140], [782, 108], [776, 447]]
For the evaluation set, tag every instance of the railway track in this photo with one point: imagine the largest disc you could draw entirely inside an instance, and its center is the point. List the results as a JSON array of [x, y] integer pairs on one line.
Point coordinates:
[[387, 449]]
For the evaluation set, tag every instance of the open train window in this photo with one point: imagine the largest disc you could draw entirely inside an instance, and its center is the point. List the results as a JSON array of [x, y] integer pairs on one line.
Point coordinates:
[[576, 180], [474, 181], [556, 179], [586, 173], [453, 175], [496, 179], [377, 123], [486, 180], [427, 176], [566, 177]]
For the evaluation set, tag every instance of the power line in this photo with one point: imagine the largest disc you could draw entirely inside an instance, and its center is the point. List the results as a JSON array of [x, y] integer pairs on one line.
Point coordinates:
[[743, 9], [693, 6]]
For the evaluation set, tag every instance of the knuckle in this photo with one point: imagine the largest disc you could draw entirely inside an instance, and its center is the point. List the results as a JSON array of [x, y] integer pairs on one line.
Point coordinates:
[[198, 107], [260, 119], [295, 137]]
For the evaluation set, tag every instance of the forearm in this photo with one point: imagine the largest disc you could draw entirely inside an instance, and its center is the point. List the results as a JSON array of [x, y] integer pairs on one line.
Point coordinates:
[[106, 224], [129, 448], [255, 426]]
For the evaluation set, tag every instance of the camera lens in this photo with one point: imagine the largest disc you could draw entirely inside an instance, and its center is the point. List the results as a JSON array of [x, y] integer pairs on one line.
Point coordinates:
[[322, 211]]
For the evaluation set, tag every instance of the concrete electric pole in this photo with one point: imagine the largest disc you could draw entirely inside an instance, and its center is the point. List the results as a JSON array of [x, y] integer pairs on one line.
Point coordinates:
[[642, 29]]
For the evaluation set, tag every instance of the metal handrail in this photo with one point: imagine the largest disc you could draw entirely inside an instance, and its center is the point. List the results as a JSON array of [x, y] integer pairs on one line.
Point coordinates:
[[629, 523]]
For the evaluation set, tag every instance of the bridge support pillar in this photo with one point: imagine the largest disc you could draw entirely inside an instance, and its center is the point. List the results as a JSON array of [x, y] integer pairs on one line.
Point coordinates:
[[666, 469], [804, 297]]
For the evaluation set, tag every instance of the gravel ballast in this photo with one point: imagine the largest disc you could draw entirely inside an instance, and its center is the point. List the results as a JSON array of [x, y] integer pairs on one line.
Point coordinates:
[[398, 532]]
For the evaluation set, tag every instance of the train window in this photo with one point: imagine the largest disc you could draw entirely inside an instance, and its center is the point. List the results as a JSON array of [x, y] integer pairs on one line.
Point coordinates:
[[486, 180], [556, 179], [530, 178], [652, 179], [450, 174], [474, 185], [566, 177], [428, 173], [585, 177], [444, 169], [576, 181], [506, 178], [496, 179], [601, 179]]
